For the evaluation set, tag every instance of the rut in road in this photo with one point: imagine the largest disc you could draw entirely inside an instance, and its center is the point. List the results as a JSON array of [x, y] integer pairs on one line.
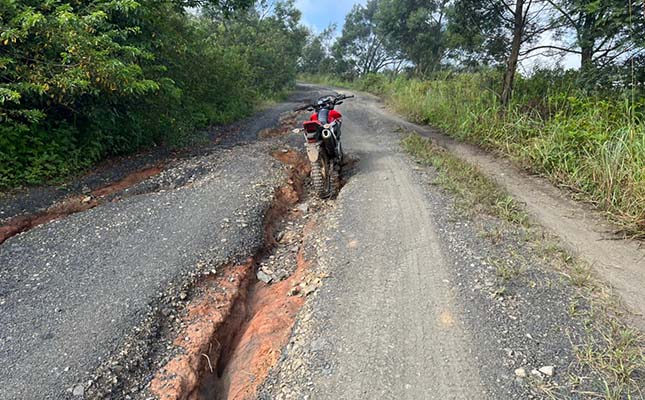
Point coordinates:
[[237, 325]]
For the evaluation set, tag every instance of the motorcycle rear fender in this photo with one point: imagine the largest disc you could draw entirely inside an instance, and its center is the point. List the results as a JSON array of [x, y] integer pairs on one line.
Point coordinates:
[[313, 151]]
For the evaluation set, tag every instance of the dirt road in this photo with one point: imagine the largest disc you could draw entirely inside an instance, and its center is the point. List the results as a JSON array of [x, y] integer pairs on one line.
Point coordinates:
[[417, 301], [417, 304], [393, 319]]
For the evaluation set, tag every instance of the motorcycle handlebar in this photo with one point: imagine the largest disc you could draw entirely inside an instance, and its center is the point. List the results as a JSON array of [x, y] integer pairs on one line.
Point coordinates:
[[336, 99]]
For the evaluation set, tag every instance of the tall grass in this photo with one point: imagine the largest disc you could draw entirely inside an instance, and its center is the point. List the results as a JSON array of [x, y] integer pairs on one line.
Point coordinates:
[[593, 145]]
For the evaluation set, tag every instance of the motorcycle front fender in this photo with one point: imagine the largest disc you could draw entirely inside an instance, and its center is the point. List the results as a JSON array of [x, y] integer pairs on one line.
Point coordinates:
[[313, 151]]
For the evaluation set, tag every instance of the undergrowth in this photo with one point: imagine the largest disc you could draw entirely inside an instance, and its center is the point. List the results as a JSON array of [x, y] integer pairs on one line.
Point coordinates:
[[82, 81]]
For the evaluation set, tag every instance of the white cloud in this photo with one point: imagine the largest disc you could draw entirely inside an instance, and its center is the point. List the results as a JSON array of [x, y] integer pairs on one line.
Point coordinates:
[[318, 14]]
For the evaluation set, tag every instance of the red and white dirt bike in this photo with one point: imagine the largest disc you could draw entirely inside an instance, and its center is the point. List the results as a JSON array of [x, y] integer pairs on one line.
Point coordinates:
[[325, 152]]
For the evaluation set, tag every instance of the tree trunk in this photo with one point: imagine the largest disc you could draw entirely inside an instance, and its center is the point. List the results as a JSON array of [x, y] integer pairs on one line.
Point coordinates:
[[511, 65], [586, 56], [587, 41]]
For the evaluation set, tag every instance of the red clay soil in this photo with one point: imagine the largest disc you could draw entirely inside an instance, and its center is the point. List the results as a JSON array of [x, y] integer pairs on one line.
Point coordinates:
[[25, 222], [234, 335], [257, 347], [237, 328], [285, 123], [181, 377], [300, 169], [72, 205], [288, 195], [128, 181]]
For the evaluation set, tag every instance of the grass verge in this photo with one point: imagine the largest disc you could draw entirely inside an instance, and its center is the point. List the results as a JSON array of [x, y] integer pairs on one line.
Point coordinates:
[[475, 193], [610, 348]]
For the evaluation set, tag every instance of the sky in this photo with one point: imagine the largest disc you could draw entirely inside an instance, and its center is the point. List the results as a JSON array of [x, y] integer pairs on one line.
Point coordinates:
[[318, 14]]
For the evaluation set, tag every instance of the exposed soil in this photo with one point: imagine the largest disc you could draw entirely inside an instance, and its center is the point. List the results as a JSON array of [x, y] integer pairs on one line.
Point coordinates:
[[263, 326], [237, 325], [73, 204], [286, 122], [206, 318], [130, 180]]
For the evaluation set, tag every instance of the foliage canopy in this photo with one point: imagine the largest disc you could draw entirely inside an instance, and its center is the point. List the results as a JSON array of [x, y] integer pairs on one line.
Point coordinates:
[[81, 80]]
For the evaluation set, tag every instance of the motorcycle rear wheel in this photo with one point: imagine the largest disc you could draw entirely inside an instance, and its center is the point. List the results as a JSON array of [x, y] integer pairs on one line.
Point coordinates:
[[325, 177]]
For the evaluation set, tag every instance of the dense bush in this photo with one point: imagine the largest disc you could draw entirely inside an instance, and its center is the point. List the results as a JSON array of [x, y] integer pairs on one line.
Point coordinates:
[[82, 80]]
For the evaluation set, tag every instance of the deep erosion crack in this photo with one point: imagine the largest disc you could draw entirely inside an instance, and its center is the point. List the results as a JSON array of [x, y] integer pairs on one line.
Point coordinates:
[[235, 329]]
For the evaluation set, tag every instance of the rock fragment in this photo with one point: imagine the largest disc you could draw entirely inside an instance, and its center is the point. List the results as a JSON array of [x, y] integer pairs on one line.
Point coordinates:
[[264, 277], [79, 390]]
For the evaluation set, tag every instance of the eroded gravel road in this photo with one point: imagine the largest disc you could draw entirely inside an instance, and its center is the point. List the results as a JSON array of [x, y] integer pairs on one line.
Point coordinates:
[[420, 303], [72, 290], [412, 303]]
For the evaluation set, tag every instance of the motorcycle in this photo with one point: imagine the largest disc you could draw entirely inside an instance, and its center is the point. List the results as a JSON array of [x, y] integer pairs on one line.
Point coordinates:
[[322, 133]]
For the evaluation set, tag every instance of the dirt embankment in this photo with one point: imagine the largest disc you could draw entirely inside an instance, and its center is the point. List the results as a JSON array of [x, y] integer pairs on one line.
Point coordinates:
[[237, 325]]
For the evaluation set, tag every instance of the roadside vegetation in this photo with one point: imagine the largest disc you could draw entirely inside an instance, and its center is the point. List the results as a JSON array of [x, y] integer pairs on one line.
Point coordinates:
[[474, 192], [84, 80], [468, 69], [610, 349]]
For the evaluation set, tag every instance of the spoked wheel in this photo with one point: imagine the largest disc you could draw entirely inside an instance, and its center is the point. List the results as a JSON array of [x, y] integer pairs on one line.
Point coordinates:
[[325, 176]]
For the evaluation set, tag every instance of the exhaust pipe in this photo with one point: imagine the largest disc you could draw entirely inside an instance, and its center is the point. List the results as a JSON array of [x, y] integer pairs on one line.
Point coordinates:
[[326, 134]]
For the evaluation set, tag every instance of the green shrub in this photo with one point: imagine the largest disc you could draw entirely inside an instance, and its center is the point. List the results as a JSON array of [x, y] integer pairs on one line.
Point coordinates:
[[81, 81]]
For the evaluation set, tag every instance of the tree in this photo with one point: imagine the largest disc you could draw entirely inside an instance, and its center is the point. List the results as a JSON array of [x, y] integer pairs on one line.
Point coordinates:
[[505, 30], [476, 34], [360, 49], [81, 80], [601, 28], [224, 6], [316, 55], [273, 40], [416, 29]]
